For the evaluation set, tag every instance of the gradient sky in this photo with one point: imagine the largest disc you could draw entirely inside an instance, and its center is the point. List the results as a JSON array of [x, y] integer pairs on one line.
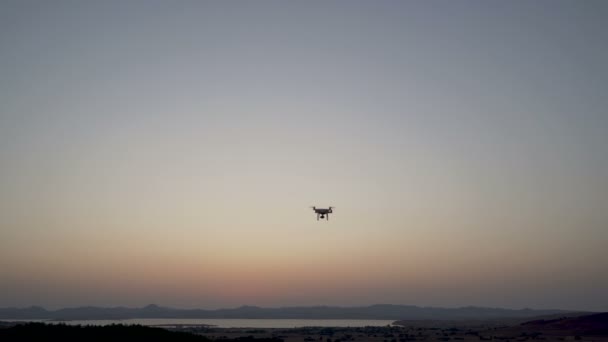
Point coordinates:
[[168, 152]]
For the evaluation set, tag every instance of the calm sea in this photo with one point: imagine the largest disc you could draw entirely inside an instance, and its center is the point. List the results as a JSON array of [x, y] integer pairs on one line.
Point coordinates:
[[233, 323]]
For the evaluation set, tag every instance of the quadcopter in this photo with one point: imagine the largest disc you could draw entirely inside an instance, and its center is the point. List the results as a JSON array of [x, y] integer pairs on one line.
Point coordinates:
[[323, 213]]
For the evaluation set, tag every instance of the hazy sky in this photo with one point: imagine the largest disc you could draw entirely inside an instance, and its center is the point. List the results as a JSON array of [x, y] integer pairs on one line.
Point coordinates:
[[168, 152]]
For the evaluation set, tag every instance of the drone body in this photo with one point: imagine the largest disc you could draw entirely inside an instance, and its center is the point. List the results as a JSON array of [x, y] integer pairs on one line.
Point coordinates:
[[323, 213]]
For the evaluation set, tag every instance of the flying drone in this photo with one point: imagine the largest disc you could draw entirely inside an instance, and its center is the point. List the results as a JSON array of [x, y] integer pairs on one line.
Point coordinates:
[[323, 213]]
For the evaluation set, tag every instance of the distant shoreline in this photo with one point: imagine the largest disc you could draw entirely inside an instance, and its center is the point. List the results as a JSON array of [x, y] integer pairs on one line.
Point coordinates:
[[248, 323], [592, 327], [372, 312]]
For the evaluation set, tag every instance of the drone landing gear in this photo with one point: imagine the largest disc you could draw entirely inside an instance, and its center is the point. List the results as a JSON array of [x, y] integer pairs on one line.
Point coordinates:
[[323, 216]]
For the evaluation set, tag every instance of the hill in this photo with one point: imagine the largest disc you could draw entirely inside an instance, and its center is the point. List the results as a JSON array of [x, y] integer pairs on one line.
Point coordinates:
[[62, 332], [380, 311], [595, 324]]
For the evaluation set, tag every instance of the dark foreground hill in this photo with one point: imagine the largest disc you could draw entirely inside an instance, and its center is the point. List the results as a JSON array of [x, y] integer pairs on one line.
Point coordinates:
[[381, 311], [68, 333], [62, 332], [595, 324]]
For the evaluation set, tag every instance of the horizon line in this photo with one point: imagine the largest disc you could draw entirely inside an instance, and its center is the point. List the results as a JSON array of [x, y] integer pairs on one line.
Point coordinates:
[[299, 306]]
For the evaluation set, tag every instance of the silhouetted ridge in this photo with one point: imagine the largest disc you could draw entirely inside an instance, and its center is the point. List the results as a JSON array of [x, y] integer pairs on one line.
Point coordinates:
[[62, 332], [379, 311], [587, 325]]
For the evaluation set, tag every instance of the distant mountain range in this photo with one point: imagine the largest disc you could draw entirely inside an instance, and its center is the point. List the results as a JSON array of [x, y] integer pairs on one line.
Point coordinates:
[[380, 311]]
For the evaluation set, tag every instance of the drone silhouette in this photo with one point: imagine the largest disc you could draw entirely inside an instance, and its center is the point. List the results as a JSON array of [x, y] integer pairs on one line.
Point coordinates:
[[323, 213]]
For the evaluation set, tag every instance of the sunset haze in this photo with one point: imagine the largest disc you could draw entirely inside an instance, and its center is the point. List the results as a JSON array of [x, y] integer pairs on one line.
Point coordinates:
[[168, 152]]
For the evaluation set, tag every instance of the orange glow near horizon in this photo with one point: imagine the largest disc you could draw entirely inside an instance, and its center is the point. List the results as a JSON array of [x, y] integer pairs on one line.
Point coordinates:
[[170, 154]]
